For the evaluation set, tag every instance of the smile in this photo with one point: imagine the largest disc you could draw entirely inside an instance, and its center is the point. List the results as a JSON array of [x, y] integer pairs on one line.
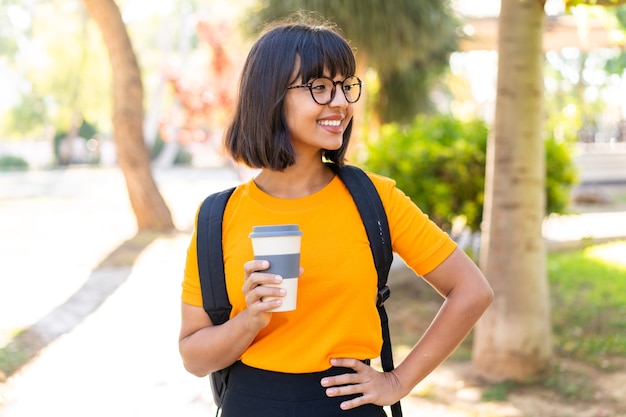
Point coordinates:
[[334, 123]]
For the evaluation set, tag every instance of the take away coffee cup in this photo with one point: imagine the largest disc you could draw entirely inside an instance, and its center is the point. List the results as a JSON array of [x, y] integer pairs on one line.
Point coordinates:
[[280, 245]]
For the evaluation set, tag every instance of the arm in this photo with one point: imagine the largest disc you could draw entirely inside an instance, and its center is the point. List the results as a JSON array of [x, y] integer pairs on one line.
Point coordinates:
[[467, 295], [205, 348]]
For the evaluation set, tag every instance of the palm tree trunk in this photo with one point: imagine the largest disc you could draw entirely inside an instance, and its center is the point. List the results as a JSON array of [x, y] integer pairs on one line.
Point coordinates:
[[513, 339], [148, 205]]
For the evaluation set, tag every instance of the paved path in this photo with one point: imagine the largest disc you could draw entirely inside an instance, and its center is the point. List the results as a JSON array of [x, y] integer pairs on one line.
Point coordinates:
[[117, 353], [122, 360]]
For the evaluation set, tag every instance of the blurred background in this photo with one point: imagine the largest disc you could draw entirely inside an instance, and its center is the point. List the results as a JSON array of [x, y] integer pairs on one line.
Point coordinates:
[[56, 96], [111, 120]]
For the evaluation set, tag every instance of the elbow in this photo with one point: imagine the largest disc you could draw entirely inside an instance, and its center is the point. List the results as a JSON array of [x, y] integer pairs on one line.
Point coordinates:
[[194, 369], [486, 293], [490, 296], [193, 365], [485, 297], [191, 361]]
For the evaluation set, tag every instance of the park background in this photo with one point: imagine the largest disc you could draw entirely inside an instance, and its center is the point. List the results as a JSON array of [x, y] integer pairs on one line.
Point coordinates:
[[73, 246]]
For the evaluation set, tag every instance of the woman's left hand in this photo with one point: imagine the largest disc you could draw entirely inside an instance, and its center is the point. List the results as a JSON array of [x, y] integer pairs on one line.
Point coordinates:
[[380, 388]]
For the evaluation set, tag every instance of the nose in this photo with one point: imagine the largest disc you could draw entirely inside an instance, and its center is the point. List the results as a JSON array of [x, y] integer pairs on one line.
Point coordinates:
[[339, 100]]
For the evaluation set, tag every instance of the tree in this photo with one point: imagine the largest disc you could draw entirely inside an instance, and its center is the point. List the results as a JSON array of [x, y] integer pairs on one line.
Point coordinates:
[[54, 65], [148, 205], [513, 339], [8, 34]]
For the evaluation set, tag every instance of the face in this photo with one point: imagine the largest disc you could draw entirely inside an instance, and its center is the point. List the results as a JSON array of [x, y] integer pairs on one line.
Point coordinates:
[[314, 127]]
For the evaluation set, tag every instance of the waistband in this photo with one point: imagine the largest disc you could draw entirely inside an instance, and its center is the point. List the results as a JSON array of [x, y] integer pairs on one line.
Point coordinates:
[[279, 385]]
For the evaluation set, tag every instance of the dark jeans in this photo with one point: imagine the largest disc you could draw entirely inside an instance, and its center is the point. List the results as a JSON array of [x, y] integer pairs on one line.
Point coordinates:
[[254, 392]]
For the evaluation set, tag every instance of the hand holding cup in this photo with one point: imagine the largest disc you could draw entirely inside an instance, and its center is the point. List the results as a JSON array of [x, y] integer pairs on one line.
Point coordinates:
[[280, 245]]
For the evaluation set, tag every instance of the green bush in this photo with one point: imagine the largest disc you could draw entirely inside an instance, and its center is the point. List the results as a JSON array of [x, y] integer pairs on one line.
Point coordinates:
[[561, 174], [10, 162], [439, 162]]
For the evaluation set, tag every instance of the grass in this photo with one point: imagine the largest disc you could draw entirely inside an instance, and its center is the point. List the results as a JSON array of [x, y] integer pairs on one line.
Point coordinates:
[[588, 307], [571, 385], [588, 295], [588, 300], [498, 391], [11, 359]]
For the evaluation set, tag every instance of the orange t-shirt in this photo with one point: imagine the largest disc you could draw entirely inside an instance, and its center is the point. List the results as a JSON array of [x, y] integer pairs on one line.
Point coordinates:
[[336, 314]]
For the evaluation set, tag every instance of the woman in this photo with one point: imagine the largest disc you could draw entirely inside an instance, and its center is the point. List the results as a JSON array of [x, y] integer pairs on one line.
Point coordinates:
[[294, 115]]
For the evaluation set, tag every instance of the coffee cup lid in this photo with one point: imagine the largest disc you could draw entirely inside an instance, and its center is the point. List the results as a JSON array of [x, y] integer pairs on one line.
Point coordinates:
[[275, 230]]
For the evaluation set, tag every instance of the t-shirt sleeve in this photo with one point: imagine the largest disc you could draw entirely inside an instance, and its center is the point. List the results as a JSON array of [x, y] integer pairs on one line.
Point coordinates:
[[191, 291], [415, 238]]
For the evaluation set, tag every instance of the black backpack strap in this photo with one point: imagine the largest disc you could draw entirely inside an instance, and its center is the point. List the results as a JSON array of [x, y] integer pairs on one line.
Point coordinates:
[[211, 266], [212, 279], [374, 218]]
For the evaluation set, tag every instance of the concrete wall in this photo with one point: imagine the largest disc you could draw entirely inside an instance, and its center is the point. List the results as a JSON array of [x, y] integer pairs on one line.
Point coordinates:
[[601, 163]]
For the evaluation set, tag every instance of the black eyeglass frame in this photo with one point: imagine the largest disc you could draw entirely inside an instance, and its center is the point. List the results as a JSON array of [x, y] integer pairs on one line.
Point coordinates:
[[309, 85]]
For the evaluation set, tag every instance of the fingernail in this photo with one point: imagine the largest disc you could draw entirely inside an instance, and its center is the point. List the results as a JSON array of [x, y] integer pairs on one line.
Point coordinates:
[[278, 278]]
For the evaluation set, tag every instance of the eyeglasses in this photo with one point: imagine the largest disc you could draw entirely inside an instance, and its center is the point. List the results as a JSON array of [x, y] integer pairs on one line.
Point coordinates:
[[323, 89]]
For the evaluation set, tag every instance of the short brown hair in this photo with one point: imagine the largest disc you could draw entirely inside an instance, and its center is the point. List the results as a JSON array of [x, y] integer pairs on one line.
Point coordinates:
[[258, 135]]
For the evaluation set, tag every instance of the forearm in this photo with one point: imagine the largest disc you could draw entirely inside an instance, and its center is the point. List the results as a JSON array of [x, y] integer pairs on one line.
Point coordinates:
[[206, 348], [455, 319], [216, 347]]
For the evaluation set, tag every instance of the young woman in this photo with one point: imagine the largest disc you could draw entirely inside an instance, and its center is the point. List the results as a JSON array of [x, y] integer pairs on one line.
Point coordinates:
[[293, 116]]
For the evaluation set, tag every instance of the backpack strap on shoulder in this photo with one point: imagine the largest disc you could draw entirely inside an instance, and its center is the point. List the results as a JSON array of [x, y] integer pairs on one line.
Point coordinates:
[[212, 279], [374, 219], [211, 267]]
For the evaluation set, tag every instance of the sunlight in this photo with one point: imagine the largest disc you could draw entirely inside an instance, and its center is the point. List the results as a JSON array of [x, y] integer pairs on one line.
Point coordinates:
[[19, 17], [611, 253], [140, 10]]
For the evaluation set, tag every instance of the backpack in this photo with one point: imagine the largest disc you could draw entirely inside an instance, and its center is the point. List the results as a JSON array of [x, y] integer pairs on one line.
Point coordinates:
[[211, 267]]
